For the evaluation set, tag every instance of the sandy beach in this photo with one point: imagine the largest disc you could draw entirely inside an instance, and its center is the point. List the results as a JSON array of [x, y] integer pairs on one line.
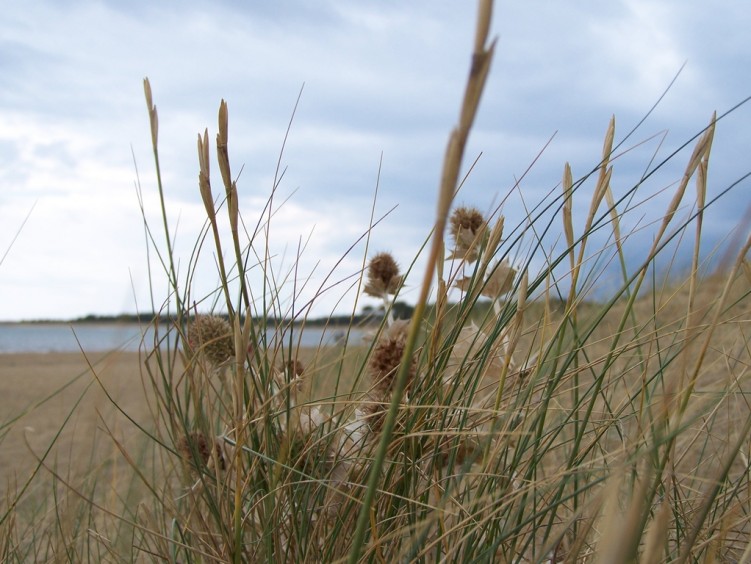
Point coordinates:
[[38, 392], [80, 398]]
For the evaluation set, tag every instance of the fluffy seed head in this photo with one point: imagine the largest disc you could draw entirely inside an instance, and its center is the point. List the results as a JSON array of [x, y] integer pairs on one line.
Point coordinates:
[[468, 228], [383, 366], [211, 335], [466, 218], [387, 355], [383, 276]]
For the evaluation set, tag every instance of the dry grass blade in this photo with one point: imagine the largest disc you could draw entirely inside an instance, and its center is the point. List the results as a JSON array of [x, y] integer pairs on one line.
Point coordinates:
[[702, 148], [719, 307], [710, 496], [654, 544], [222, 140], [153, 118], [601, 189], [204, 178], [17, 233], [568, 223], [607, 150], [620, 538], [615, 219], [481, 59]]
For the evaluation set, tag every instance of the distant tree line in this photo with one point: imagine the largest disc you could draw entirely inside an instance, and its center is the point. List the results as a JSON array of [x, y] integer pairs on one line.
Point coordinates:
[[401, 310], [368, 315]]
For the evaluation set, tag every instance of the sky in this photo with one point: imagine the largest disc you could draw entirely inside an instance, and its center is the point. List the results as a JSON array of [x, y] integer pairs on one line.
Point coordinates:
[[379, 87]]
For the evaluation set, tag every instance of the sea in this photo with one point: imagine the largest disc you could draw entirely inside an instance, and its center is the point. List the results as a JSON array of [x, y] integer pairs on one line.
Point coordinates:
[[103, 337]]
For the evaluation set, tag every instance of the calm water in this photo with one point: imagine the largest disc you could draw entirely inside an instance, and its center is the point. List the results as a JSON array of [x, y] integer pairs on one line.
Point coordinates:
[[97, 337]]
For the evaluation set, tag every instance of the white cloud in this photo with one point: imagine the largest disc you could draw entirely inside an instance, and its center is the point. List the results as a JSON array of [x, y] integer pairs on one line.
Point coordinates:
[[380, 77], [640, 52]]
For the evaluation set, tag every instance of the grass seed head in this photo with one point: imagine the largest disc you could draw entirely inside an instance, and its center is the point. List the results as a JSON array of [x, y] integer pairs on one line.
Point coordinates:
[[294, 368], [383, 276], [469, 229], [383, 365], [387, 355], [211, 335], [195, 448]]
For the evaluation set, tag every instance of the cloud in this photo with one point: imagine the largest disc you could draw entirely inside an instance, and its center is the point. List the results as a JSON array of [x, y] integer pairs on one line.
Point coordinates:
[[383, 82]]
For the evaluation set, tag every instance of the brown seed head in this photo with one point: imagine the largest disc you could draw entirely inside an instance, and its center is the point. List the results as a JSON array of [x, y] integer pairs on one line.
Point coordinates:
[[195, 448], [294, 368], [212, 336], [197, 443], [383, 365], [468, 228], [383, 276], [466, 218], [387, 355]]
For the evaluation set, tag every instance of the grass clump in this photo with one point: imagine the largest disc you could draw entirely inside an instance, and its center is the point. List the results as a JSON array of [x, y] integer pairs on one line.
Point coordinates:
[[521, 423]]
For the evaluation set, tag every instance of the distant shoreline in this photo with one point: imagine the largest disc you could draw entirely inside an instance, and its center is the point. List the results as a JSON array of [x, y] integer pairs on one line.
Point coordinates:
[[330, 325], [61, 336], [368, 317]]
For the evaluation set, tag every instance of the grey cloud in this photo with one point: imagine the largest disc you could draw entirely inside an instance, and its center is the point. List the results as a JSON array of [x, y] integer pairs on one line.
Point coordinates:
[[387, 77]]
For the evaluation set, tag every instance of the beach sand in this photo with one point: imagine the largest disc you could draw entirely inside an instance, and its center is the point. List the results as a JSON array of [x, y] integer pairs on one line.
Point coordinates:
[[38, 392], [43, 395]]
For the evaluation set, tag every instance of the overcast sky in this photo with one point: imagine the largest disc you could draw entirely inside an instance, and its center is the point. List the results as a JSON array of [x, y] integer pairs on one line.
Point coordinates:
[[381, 80]]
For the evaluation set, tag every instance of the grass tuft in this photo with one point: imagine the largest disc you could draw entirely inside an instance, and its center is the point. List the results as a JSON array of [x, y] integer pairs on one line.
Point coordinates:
[[515, 418]]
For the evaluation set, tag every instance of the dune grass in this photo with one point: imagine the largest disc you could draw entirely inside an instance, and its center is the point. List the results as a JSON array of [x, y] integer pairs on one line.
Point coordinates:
[[518, 423]]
